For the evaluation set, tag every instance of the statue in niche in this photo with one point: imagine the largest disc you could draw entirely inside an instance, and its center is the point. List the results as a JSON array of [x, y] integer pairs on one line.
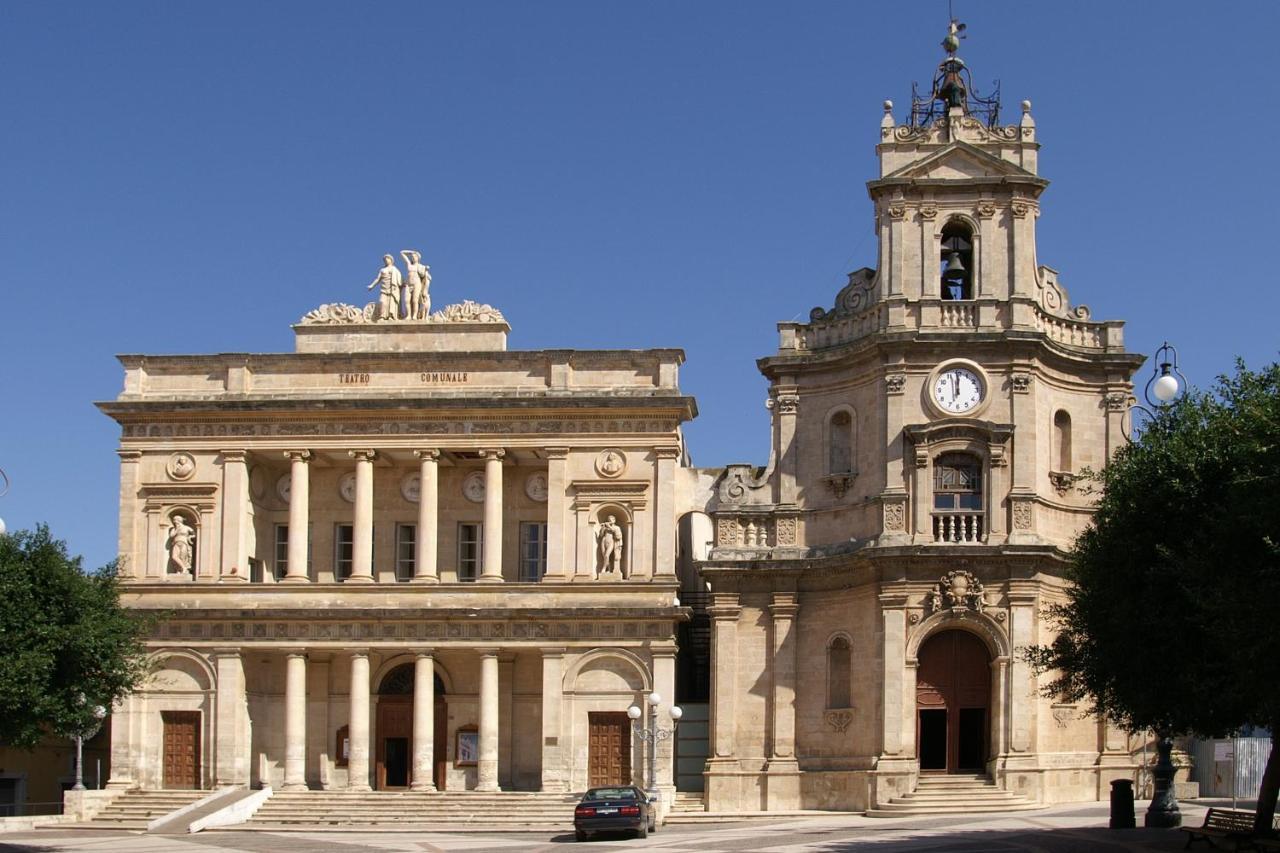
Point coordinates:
[[611, 547], [182, 542], [418, 280], [389, 283]]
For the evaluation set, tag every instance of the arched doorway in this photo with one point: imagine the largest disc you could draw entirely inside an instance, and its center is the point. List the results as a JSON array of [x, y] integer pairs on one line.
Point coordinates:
[[395, 730], [953, 697]]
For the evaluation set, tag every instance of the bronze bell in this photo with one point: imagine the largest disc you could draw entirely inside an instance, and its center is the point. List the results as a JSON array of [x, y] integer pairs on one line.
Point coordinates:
[[954, 268]]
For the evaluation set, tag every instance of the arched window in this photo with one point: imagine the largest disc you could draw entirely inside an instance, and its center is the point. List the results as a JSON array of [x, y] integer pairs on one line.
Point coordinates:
[[1061, 441], [957, 261], [840, 443], [839, 663]]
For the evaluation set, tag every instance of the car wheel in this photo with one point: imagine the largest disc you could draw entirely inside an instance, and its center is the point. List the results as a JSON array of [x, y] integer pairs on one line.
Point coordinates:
[[580, 834], [643, 831]]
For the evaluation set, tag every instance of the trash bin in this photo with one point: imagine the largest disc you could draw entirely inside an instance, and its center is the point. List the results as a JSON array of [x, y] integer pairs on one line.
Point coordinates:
[[1122, 804]]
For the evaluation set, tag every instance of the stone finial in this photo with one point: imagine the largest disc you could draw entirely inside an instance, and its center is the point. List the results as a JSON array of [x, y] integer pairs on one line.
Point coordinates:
[[887, 123]]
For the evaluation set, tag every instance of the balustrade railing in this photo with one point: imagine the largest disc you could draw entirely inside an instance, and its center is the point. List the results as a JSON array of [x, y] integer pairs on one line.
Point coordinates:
[[959, 527]]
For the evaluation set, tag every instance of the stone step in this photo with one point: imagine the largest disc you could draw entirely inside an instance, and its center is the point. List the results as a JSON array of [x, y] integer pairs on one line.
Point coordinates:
[[892, 810]]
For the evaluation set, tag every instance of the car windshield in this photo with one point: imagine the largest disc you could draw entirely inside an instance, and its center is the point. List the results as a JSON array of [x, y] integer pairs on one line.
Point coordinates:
[[611, 794]]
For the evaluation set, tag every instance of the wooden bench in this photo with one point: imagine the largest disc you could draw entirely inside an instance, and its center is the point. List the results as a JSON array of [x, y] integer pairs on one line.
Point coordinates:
[[1232, 824]]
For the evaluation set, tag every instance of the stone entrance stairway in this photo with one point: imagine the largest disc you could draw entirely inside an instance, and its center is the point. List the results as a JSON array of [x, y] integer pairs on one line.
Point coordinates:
[[321, 809], [953, 793], [136, 809]]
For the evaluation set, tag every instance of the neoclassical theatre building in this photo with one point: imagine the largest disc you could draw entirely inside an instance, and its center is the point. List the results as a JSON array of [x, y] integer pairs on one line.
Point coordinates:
[[405, 557]]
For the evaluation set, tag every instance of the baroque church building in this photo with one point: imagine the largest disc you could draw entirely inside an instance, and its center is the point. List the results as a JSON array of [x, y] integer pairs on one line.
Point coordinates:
[[404, 557]]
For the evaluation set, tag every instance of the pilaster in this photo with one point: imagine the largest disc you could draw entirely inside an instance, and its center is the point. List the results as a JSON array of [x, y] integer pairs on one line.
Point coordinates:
[[235, 519]]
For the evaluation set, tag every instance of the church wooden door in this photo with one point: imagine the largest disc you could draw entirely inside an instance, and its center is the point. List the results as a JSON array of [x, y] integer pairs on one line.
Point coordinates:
[[181, 744], [395, 737], [953, 696], [608, 749]]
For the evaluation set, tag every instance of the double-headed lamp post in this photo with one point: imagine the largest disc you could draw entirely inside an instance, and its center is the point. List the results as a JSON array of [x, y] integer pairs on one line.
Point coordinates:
[[99, 713], [651, 734]]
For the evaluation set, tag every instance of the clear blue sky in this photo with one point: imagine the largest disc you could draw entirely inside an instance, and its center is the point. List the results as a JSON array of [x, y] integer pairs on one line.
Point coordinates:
[[183, 177]]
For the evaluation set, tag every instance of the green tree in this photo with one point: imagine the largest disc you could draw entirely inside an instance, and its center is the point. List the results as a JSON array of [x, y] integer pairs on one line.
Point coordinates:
[[1171, 619], [67, 643]]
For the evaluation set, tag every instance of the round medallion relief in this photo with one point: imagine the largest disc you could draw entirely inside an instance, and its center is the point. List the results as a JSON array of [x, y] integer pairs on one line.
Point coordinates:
[[347, 487], [411, 488], [284, 487], [473, 487], [257, 482], [611, 463], [536, 487], [181, 466]]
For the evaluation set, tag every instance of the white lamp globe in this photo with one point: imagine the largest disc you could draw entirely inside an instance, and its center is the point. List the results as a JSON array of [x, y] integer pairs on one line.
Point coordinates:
[[2, 527], [655, 697], [633, 712], [676, 712], [1165, 388]]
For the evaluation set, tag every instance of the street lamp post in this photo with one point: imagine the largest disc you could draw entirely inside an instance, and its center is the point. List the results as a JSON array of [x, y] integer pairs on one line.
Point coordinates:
[[4, 490], [1165, 385], [99, 713], [652, 734]]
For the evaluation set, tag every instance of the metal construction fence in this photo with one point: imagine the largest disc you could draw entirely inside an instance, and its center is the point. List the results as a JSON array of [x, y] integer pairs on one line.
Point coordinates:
[[1214, 775]]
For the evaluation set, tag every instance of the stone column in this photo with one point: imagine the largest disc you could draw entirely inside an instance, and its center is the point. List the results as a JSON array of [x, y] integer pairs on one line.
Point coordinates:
[[787, 406], [896, 709], [125, 746], [425, 546], [664, 513], [783, 791], [721, 779], [362, 535], [319, 736], [487, 765], [130, 565], [299, 513], [585, 537], [1023, 686], [295, 721], [424, 711], [358, 723], [506, 711], [558, 567], [491, 571], [231, 747], [235, 519], [553, 775], [664, 681]]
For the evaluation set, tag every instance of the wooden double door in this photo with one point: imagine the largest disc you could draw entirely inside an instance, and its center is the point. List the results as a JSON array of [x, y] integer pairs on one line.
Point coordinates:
[[953, 698], [180, 742], [394, 767], [608, 748]]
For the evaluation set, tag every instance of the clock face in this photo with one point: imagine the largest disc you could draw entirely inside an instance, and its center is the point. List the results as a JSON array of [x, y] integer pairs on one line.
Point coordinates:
[[957, 390]]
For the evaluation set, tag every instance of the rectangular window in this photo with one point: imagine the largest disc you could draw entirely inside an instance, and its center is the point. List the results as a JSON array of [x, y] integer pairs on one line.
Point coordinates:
[[533, 551], [343, 551], [406, 551], [470, 550], [255, 570], [281, 565]]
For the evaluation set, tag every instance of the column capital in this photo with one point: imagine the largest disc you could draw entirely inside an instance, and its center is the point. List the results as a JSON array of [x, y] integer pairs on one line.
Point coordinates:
[[294, 652], [234, 455], [425, 653], [554, 652], [556, 452], [297, 455], [366, 455], [492, 453], [129, 455], [663, 652], [224, 653], [666, 452], [784, 606], [358, 653], [427, 453], [489, 652]]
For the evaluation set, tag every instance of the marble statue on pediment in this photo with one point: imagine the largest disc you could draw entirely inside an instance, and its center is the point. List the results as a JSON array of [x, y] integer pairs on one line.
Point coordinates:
[[417, 285], [388, 282]]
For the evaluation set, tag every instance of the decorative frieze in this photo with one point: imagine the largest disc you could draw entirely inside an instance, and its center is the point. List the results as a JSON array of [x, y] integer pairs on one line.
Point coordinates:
[[175, 629], [278, 427]]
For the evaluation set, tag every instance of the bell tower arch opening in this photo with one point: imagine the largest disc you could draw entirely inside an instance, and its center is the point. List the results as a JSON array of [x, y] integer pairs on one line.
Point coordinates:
[[957, 260], [953, 699]]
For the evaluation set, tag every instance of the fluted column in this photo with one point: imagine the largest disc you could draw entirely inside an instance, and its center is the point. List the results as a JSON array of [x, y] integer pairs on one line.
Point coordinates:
[[299, 515], [491, 571], [295, 721], [425, 550], [487, 765], [362, 535], [358, 723], [424, 712]]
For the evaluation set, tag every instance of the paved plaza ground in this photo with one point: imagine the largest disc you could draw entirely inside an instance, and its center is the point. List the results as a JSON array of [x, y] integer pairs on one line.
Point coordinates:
[[1062, 829]]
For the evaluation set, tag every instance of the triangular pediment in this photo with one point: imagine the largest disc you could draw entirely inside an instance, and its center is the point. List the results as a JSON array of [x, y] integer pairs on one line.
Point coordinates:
[[959, 161]]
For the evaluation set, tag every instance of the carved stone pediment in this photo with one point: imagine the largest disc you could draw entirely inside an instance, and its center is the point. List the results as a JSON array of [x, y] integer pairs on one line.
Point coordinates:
[[957, 590]]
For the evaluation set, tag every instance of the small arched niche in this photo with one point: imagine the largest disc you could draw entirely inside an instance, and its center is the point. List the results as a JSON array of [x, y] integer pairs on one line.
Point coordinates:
[[180, 543], [613, 551], [1062, 441], [841, 443], [839, 672]]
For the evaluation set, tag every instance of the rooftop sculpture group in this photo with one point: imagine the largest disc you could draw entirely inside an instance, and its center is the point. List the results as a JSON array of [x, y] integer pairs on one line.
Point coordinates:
[[402, 298]]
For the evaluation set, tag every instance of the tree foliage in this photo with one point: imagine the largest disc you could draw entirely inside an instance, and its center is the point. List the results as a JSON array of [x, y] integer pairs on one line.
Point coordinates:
[[1170, 623], [68, 646]]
